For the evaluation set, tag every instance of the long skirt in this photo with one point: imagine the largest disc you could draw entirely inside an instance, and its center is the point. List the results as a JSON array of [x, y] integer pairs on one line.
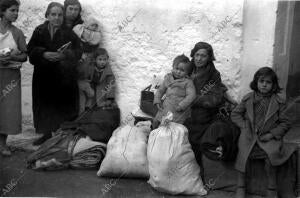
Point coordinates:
[[10, 101]]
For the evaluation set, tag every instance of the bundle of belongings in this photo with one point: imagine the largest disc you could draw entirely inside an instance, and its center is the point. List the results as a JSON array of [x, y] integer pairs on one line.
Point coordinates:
[[127, 152], [89, 34], [172, 164], [219, 142], [164, 155], [75, 144]]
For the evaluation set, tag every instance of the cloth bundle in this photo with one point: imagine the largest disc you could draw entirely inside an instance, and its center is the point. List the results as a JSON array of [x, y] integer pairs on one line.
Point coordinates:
[[89, 158], [127, 152], [172, 164], [58, 153]]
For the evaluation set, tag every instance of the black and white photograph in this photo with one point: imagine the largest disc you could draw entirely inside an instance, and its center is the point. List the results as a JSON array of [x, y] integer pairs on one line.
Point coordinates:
[[150, 98]]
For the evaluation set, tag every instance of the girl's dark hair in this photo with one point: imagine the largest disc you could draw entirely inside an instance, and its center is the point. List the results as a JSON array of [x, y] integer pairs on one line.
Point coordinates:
[[78, 20], [183, 59], [263, 72], [51, 5], [5, 4], [98, 52]]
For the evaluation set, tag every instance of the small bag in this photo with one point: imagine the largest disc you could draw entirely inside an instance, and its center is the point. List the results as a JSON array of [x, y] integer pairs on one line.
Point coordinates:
[[147, 105]]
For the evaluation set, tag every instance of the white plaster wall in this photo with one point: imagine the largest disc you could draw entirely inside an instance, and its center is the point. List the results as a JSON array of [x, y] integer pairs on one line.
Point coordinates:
[[258, 36], [158, 31]]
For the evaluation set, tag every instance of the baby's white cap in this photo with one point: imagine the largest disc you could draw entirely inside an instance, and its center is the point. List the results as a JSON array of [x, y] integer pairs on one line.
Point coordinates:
[[91, 21]]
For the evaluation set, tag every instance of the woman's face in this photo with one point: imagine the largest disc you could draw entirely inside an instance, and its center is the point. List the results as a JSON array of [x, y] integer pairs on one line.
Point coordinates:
[[55, 16], [11, 13], [201, 58], [72, 12]]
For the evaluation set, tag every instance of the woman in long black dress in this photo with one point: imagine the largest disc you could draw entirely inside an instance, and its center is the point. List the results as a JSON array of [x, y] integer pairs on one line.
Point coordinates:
[[54, 51]]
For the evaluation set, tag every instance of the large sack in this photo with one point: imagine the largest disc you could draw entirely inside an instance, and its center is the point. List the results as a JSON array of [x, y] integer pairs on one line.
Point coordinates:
[[127, 152], [172, 164]]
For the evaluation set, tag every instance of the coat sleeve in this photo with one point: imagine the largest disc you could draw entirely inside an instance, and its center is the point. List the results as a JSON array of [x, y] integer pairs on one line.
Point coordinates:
[[211, 98], [75, 52], [21, 41], [283, 123], [106, 92], [238, 115], [190, 95], [161, 91], [212, 94], [35, 49], [111, 86]]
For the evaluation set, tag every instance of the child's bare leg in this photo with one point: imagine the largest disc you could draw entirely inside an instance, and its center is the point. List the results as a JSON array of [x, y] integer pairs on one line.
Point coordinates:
[[89, 99], [271, 177], [241, 186], [82, 101]]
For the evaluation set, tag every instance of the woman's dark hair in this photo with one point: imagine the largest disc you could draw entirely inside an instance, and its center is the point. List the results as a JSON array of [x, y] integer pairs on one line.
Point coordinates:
[[207, 47], [183, 59], [5, 4], [264, 72], [100, 51], [204, 45], [78, 20], [51, 5]]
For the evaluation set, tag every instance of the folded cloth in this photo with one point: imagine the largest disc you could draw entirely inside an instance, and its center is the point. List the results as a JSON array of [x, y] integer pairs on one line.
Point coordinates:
[[90, 158], [84, 144], [58, 153]]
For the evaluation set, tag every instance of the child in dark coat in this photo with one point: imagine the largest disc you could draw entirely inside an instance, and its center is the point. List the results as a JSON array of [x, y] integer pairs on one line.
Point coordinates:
[[263, 123], [96, 81]]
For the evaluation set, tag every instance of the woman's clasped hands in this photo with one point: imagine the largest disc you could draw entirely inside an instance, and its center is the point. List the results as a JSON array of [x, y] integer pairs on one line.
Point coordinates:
[[53, 56]]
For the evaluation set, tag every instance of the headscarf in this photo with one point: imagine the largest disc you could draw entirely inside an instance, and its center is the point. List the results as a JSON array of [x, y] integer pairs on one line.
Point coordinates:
[[78, 20]]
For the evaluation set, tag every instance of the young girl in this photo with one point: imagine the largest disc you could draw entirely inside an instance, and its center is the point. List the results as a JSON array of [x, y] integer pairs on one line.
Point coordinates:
[[263, 123], [96, 82], [179, 90]]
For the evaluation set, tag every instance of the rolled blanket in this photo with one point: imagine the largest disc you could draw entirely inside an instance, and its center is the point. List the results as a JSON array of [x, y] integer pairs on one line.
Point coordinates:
[[58, 152], [90, 158]]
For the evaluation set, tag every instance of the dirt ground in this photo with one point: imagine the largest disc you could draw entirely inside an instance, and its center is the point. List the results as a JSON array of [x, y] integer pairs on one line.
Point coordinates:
[[16, 180]]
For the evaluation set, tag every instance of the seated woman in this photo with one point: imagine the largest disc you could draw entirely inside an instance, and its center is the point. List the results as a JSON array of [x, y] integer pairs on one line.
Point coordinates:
[[203, 124]]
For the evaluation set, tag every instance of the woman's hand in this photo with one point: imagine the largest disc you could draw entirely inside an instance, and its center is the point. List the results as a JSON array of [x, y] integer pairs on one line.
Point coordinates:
[[266, 137], [53, 56], [159, 106]]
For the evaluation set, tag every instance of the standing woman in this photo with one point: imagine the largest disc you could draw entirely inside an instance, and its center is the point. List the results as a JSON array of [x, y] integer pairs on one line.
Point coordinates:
[[54, 51], [72, 10], [12, 39]]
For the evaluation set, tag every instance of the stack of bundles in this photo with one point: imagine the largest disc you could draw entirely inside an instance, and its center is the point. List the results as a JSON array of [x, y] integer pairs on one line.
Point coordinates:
[[87, 154], [59, 152]]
